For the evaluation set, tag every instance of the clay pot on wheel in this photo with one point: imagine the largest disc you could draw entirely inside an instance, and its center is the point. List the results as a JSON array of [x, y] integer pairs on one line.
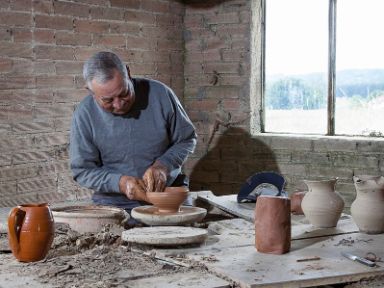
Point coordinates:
[[30, 231], [170, 200], [367, 209], [322, 205], [273, 224]]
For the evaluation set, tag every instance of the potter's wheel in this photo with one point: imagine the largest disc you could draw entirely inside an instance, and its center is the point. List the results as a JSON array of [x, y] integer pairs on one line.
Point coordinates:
[[150, 215], [165, 235]]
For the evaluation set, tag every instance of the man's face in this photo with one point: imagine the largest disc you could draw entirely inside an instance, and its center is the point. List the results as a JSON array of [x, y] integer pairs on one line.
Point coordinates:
[[114, 95]]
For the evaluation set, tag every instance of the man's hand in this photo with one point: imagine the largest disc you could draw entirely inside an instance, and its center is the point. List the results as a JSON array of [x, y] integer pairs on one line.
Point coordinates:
[[133, 188], [155, 178]]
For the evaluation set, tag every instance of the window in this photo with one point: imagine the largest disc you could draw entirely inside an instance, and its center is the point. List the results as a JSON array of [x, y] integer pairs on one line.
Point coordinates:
[[323, 67]]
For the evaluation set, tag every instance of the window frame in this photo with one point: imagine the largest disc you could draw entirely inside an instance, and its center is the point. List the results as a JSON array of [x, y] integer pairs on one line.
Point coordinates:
[[332, 13]]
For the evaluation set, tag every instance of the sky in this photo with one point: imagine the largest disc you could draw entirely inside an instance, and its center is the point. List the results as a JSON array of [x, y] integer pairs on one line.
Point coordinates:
[[360, 43]]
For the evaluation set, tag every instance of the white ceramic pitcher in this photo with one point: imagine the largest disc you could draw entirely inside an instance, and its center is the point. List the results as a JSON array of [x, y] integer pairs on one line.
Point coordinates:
[[368, 208]]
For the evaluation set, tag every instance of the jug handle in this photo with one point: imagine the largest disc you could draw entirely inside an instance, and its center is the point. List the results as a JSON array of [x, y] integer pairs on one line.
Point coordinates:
[[15, 220]]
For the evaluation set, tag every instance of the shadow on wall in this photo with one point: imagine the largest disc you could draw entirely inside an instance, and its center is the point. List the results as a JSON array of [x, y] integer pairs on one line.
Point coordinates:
[[226, 166]]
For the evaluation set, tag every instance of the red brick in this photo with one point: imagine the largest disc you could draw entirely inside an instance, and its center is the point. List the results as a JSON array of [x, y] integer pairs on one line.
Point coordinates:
[[71, 9], [155, 56], [109, 40], [44, 36], [125, 28], [83, 53], [143, 69], [91, 26], [4, 4], [107, 13], [5, 65], [44, 67], [9, 143], [230, 55], [140, 43], [131, 4], [194, 45], [54, 53], [50, 139], [19, 112], [79, 82], [17, 172], [130, 55], [21, 82], [15, 19], [217, 18], [140, 17], [54, 22], [215, 43], [42, 6], [21, 5], [235, 30], [70, 95], [54, 81], [222, 92], [62, 124], [22, 67], [32, 127], [193, 20], [161, 32], [6, 34], [155, 6], [102, 3], [225, 68], [35, 184], [52, 111], [205, 105], [164, 44], [74, 39], [22, 35], [169, 20], [64, 68], [8, 49]]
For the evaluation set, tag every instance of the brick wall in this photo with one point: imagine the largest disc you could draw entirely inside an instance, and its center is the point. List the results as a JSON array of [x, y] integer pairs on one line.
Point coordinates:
[[43, 45], [202, 49], [222, 39]]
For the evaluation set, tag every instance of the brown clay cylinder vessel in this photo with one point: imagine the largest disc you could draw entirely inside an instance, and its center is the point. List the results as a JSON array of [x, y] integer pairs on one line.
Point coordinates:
[[273, 224], [30, 231], [296, 199]]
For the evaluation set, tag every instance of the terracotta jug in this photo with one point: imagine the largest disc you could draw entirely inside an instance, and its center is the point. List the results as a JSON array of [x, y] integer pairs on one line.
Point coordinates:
[[367, 209], [272, 224], [30, 231], [322, 205]]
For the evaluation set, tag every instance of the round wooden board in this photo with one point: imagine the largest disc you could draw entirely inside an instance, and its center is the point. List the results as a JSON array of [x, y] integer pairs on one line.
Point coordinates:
[[165, 235]]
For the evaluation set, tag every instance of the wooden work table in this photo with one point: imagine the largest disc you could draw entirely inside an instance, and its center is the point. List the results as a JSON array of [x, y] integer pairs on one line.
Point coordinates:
[[314, 259], [230, 256]]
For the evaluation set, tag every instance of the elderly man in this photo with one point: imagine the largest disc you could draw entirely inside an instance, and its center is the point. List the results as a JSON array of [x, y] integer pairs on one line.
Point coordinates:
[[129, 136]]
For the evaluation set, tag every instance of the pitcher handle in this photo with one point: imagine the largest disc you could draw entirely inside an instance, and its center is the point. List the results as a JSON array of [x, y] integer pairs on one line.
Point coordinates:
[[15, 220]]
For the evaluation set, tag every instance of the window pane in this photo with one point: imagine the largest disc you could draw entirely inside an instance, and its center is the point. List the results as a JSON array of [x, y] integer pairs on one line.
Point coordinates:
[[360, 68], [296, 52]]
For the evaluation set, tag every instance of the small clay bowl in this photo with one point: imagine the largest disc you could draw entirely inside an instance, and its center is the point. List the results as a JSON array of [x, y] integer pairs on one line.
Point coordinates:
[[168, 201]]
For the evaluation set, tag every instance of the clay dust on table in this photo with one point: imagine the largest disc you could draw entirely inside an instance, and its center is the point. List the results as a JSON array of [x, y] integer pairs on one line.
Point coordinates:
[[87, 260]]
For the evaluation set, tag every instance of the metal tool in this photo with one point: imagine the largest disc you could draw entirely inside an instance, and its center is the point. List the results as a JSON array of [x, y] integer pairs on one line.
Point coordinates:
[[358, 259]]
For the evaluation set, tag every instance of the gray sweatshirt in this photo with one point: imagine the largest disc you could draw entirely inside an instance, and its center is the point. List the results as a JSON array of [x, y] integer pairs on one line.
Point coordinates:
[[104, 146]]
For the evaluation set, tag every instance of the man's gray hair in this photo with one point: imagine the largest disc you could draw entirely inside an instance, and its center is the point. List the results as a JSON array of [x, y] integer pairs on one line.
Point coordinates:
[[102, 67]]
